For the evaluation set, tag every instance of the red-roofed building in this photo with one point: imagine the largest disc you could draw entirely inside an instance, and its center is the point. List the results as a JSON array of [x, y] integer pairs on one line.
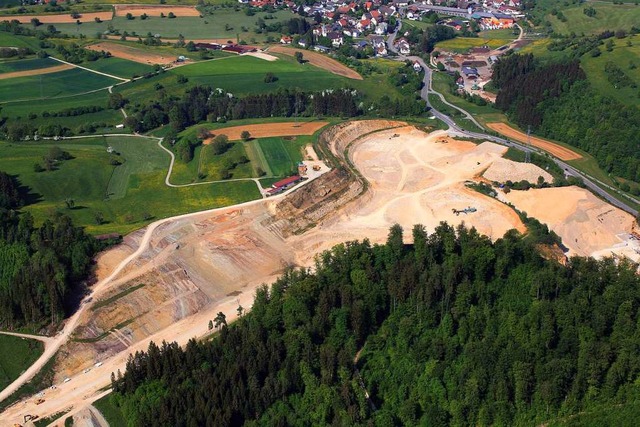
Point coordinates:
[[283, 184]]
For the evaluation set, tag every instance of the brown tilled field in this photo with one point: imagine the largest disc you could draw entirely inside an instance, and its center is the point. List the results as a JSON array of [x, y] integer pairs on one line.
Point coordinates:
[[320, 61], [37, 72], [136, 10], [131, 53], [266, 130], [557, 150], [59, 19]]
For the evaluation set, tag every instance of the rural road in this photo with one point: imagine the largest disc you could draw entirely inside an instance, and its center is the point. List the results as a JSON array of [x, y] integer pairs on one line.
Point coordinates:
[[596, 186]]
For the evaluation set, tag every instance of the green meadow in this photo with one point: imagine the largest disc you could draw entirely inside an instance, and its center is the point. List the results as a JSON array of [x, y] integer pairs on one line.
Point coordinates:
[[119, 67], [608, 17], [16, 355], [126, 196], [64, 83]]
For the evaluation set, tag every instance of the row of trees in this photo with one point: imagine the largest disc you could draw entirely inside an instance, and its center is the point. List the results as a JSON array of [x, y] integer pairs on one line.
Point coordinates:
[[40, 267], [453, 329], [202, 103]]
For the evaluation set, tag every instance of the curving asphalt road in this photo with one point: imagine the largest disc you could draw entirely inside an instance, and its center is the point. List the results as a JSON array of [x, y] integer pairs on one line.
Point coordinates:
[[596, 186]]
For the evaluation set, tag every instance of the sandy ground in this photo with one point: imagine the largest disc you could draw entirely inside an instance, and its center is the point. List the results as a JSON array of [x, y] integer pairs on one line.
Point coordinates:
[[131, 53], [262, 55], [557, 150], [586, 224], [270, 129], [414, 178], [137, 10], [59, 19], [36, 72], [503, 170], [320, 61], [195, 266]]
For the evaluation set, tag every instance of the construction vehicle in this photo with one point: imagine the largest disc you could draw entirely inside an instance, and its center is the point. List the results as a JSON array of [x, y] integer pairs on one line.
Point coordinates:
[[465, 211], [39, 401], [28, 418], [316, 167]]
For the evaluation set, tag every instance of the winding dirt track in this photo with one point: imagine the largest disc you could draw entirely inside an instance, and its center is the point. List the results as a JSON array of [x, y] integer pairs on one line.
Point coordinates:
[[320, 61], [557, 150], [36, 72]]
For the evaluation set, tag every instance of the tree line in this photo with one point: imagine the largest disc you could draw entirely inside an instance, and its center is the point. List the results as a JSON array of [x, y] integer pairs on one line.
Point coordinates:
[[557, 101], [41, 267], [453, 329], [202, 103]]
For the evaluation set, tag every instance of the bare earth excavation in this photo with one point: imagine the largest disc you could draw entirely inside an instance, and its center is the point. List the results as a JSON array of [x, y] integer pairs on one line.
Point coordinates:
[[195, 266]]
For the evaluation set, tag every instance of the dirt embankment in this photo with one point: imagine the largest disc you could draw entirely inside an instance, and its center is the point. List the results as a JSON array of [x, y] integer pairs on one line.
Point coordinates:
[[320, 61], [557, 150], [137, 10]]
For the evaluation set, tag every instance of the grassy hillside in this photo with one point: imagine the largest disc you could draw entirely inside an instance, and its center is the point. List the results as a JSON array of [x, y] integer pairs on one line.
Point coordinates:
[[64, 83], [119, 67], [127, 196], [608, 17], [223, 24], [627, 58]]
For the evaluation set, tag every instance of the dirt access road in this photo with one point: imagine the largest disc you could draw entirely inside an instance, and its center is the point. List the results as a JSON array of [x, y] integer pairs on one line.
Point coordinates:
[[266, 130], [557, 150], [319, 60]]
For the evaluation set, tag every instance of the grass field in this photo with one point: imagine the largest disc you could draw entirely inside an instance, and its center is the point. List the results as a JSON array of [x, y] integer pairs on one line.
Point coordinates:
[[463, 44], [503, 34], [608, 17], [10, 66], [110, 412], [64, 83], [209, 27], [207, 166], [281, 154], [624, 57], [10, 40], [119, 67], [16, 355], [137, 185], [245, 74]]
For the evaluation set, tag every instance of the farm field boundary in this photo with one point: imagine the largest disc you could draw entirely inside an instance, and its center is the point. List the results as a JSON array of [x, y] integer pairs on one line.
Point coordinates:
[[154, 10], [36, 72], [270, 129], [557, 150], [59, 19], [320, 61]]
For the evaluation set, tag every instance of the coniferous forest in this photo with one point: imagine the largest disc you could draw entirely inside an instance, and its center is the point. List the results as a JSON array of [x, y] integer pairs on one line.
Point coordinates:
[[451, 330], [40, 267], [555, 99]]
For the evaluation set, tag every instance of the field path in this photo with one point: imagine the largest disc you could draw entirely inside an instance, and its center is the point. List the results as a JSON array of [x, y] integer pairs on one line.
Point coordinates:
[[37, 72], [557, 150], [90, 70], [42, 338]]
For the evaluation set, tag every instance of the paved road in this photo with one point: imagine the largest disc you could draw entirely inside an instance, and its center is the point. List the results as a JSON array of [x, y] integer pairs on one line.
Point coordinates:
[[596, 186]]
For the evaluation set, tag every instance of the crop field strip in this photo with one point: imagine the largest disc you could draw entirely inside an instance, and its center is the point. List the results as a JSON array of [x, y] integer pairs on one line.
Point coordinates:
[[64, 83]]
